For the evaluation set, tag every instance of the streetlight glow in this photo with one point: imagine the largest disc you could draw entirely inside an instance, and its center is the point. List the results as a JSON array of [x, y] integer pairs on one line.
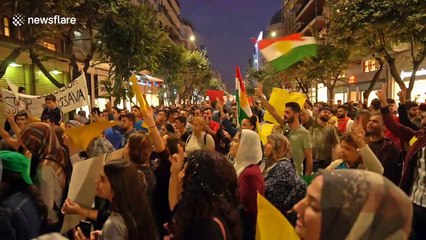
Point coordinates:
[[273, 34], [192, 38]]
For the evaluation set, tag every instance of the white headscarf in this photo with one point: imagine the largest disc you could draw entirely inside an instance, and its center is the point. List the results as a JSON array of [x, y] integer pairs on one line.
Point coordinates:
[[249, 151]]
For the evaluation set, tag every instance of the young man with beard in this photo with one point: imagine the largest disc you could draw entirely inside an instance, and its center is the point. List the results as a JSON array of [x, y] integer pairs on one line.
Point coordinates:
[[384, 149], [325, 142], [344, 123], [298, 136], [127, 126]]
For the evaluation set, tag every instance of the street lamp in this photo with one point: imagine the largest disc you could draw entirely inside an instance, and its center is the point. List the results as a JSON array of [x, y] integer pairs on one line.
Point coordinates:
[[192, 38], [273, 34]]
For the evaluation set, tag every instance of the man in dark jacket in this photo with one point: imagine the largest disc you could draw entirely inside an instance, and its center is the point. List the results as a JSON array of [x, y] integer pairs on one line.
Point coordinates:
[[413, 179], [384, 149]]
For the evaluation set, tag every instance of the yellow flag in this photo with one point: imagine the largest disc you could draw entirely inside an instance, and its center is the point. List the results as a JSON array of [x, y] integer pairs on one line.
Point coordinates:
[[137, 91], [279, 98], [271, 224], [265, 131], [82, 136], [139, 96]]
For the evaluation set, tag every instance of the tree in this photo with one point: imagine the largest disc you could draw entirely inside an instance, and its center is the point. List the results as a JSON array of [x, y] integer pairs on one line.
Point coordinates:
[[171, 65], [30, 34], [130, 40], [328, 68], [196, 70], [385, 27]]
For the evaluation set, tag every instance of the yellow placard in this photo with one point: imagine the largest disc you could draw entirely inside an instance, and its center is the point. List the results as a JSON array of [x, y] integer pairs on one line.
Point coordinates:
[[271, 223], [265, 131], [279, 98], [82, 136]]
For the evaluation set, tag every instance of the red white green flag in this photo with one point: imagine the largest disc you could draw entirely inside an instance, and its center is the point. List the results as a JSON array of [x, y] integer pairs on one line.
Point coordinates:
[[283, 52], [243, 106]]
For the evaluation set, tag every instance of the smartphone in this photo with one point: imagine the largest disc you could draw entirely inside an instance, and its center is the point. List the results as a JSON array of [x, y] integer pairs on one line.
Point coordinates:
[[85, 227]]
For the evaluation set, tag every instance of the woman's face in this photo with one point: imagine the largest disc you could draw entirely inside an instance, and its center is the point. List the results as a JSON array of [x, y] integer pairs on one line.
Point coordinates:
[[196, 127], [349, 153], [103, 187], [308, 225], [245, 124], [114, 113], [235, 145], [267, 151], [163, 130]]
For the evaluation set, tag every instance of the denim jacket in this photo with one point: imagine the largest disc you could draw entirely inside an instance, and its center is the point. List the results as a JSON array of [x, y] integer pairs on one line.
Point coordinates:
[[19, 217]]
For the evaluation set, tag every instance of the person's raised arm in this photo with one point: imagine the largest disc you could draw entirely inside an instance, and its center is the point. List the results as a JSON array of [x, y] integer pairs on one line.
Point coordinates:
[[267, 106], [148, 117], [11, 141], [13, 125], [368, 157], [402, 111], [175, 185], [397, 129]]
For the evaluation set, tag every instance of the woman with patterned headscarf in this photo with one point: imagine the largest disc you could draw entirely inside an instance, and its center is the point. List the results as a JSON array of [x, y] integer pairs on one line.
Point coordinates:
[[353, 204], [49, 167], [283, 187]]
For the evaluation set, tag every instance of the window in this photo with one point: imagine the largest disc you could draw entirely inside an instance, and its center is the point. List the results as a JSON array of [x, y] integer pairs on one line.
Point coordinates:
[[370, 66], [50, 46], [6, 26]]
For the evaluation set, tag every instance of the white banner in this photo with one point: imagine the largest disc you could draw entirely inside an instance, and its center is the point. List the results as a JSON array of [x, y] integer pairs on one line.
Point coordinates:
[[72, 96]]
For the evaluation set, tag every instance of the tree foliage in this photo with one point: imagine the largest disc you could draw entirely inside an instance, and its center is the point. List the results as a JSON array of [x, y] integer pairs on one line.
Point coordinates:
[[383, 28], [130, 40]]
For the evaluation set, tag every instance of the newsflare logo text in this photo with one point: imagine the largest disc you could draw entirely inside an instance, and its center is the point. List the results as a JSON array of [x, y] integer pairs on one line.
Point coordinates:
[[20, 20]]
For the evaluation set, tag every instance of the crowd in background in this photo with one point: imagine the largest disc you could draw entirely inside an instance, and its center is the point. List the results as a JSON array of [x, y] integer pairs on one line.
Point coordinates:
[[194, 171]]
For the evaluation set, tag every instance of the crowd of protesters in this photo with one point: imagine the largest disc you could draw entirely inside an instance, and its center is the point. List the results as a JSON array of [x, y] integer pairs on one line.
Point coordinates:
[[335, 171]]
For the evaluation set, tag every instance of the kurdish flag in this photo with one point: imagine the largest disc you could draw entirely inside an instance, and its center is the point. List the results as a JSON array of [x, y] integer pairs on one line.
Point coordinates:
[[283, 52], [243, 107]]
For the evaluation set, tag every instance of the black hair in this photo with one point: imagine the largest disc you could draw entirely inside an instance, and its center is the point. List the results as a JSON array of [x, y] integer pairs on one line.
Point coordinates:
[[295, 107], [214, 104], [22, 114], [409, 105], [137, 107], [345, 108], [130, 199], [209, 190], [21, 89], [390, 101], [253, 121], [130, 116], [50, 97], [208, 108], [170, 128], [181, 119], [376, 104]]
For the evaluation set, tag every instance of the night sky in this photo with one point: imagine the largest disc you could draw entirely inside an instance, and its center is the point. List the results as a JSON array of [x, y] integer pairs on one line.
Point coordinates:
[[225, 27]]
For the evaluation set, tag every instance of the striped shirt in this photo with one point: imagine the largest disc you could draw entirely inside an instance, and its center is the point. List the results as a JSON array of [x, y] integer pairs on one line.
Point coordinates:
[[418, 195]]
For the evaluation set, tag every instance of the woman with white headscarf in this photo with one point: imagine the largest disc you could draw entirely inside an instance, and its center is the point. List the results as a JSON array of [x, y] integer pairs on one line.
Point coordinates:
[[247, 152]]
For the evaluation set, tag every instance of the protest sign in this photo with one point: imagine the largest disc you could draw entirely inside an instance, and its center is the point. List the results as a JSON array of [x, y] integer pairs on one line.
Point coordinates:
[[72, 96], [279, 98]]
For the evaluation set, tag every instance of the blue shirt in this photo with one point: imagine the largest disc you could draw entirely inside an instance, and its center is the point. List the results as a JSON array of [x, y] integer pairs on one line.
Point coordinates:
[[114, 136]]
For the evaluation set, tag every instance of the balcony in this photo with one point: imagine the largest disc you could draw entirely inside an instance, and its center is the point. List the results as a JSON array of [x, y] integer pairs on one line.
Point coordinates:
[[317, 24], [312, 9]]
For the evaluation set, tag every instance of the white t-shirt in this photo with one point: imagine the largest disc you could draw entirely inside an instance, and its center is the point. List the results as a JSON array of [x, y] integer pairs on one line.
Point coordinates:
[[197, 143]]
